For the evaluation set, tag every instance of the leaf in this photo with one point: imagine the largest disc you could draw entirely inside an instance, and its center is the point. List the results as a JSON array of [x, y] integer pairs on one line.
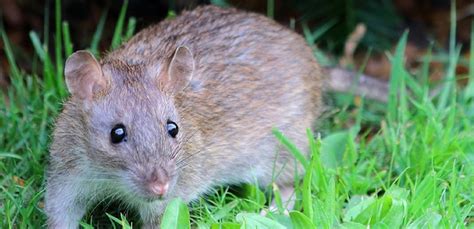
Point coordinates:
[[396, 214], [388, 210], [300, 221], [282, 219], [375, 211], [427, 220], [253, 220], [176, 215], [398, 210], [355, 207], [352, 225], [332, 149], [225, 225]]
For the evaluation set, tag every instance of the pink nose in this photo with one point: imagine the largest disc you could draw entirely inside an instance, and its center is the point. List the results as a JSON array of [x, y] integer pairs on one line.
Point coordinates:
[[158, 188]]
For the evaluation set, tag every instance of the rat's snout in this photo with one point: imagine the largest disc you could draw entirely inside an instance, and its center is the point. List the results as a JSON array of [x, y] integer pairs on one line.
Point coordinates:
[[157, 184], [158, 189]]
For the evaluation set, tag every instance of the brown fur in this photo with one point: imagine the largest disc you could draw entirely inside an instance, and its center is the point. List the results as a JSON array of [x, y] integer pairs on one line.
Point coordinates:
[[251, 74]]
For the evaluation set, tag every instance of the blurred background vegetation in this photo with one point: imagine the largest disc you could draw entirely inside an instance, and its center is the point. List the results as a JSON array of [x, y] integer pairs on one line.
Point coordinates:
[[329, 24]]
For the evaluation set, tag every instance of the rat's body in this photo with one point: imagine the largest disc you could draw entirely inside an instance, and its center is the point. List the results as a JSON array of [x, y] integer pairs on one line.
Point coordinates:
[[224, 76]]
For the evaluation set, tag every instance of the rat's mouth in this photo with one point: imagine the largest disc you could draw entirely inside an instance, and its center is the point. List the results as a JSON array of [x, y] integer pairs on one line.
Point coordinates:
[[151, 199], [147, 197]]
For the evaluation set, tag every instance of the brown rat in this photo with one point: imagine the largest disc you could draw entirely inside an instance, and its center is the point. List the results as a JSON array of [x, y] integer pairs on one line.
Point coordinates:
[[184, 106]]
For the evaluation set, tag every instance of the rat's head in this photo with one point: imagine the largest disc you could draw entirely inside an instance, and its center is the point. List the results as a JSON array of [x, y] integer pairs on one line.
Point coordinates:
[[132, 129]]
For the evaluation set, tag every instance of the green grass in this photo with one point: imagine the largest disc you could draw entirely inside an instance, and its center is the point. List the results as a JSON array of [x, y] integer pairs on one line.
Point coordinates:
[[407, 164]]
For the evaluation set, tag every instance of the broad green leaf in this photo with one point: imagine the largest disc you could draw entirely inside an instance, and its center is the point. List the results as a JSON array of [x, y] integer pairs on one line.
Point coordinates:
[[225, 225], [253, 220], [282, 219], [374, 212], [428, 220], [300, 221], [355, 207], [397, 210], [352, 225], [176, 215], [396, 214], [332, 149]]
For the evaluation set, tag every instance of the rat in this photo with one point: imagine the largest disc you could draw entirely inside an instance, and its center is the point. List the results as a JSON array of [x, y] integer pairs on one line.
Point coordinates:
[[184, 106]]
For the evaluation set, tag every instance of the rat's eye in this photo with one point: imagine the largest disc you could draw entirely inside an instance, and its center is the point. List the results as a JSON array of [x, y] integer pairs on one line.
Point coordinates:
[[118, 134], [172, 128]]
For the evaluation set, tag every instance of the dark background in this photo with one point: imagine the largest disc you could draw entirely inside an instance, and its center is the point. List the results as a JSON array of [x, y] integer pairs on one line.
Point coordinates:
[[427, 20]]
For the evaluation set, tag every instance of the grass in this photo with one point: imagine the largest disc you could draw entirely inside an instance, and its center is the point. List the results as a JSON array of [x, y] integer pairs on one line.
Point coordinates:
[[407, 164]]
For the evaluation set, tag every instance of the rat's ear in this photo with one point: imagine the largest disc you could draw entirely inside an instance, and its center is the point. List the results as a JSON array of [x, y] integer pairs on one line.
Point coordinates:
[[180, 70], [84, 77]]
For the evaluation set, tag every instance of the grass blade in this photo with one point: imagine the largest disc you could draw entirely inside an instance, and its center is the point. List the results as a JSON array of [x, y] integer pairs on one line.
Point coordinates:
[[10, 57], [117, 37], [67, 39], [291, 148], [40, 51], [425, 72], [308, 179], [277, 198], [469, 92], [271, 8], [396, 77], [48, 68], [132, 23], [94, 48], [449, 88], [449, 81], [58, 44]]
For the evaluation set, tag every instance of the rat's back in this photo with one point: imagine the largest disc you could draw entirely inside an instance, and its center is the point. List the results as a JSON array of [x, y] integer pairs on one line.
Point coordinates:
[[251, 75]]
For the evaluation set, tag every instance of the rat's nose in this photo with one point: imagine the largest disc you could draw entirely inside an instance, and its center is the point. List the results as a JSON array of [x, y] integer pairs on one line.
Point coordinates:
[[158, 188]]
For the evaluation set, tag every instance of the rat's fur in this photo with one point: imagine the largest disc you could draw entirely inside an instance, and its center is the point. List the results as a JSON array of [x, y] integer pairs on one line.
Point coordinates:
[[249, 75]]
